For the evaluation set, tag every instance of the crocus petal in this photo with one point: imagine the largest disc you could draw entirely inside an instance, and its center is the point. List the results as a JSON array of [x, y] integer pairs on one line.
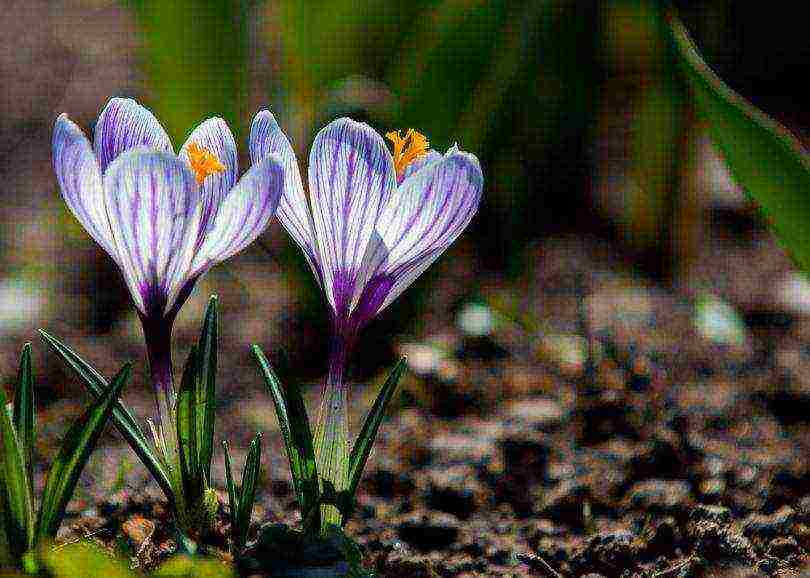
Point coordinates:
[[125, 124], [154, 207], [215, 136], [266, 137], [351, 177], [244, 214], [429, 211], [80, 181], [419, 163]]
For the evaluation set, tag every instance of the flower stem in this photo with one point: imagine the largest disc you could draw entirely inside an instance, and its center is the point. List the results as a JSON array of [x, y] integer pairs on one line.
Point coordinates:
[[332, 431]]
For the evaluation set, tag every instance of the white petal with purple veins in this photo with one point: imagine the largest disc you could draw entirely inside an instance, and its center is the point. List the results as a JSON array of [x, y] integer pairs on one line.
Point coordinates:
[[215, 136], [125, 124], [419, 163], [80, 181], [429, 211], [351, 177], [154, 207], [266, 137], [244, 214]]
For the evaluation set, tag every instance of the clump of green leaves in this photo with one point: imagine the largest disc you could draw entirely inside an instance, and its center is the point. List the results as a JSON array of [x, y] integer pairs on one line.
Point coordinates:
[[241, 499], [185, 481], [311, 490], [22, 527]]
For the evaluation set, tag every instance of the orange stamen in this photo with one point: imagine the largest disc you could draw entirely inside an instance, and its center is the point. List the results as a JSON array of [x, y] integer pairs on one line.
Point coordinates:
[[407, 148], [203, 162]]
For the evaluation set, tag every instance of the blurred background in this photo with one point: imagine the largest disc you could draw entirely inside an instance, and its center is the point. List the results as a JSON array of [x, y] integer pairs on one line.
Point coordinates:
[[596, 170]]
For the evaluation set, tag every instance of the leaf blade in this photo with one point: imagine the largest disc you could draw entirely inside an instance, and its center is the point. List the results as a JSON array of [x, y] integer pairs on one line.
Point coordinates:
[[75, 450], [247, 493], [187, 428], [207, 347], [763, 156], [233, 497], [24, 414], [122, 417]]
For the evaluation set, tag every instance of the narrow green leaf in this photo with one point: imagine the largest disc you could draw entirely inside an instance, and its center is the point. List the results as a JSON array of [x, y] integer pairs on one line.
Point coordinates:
[[122, 418], [187, 427], [207, 385], [77, 445], [24, 416], [362, 446], [15, 490], [763, 156], [297, 434], [247, 494], [233, 497]]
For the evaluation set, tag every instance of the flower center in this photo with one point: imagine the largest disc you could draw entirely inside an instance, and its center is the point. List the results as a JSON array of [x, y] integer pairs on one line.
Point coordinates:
[[203, 162], [407, 148]]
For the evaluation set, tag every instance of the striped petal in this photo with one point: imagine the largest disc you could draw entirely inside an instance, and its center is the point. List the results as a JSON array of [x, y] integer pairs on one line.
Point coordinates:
[[215, 136], [419, 163], [266, 137], [125, 124], [429, 211], [351, 177], [154, 207], [80, 181], [244, 214]]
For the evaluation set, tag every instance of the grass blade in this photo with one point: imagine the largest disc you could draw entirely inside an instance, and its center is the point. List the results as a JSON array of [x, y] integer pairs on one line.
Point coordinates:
[[77, 445], [206, 386], [187, 428], [233, 498], [295, 429], [247, 495], [763, 156], [362, 446], [122, 418], [24, 415], [16, 502]]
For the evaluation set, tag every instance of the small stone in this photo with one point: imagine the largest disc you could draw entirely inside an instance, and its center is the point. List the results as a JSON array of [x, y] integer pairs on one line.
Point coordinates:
[[769, 526], [710, 513], [429, 532], [567, 503], [659, 496], [784, 547], [610, 552], [537, 413], [138, 529], [455, 490]]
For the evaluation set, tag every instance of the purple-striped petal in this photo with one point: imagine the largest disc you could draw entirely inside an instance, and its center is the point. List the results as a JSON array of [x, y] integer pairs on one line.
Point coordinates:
[[244, 214], [125, 124], [155, 210], [428, 212], [80, 181], [351, 177], [215, 136], [266, 137], [419, 163]]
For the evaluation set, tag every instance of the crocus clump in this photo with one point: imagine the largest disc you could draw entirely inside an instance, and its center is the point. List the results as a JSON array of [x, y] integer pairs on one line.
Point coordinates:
[[374, 221], [164, 218]]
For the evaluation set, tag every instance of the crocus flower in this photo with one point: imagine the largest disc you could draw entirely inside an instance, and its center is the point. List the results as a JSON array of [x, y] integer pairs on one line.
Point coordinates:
[[373, 223], [164, 218]]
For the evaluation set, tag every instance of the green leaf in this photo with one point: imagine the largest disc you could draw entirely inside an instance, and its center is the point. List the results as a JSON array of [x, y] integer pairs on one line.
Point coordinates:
[[16, 502], [187, 428], [24, 416], [247, 495], [362, 446], [82, 559], [77, 445], [122, 418], [233, 498], [194, 567], [763, 156], [297, 434], [206, 386]]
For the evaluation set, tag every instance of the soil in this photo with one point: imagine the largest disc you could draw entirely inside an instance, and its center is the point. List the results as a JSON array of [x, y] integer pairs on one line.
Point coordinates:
[[509, 454]]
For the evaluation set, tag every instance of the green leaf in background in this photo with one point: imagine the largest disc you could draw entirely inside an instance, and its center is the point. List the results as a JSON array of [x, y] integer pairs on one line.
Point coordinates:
[[297, 434], [16, 500], [247, 494], [206, 387], [77, 445], [76, 560], [24, 416], [186, 413], [122, 418], [763, 156], [362, 446]]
